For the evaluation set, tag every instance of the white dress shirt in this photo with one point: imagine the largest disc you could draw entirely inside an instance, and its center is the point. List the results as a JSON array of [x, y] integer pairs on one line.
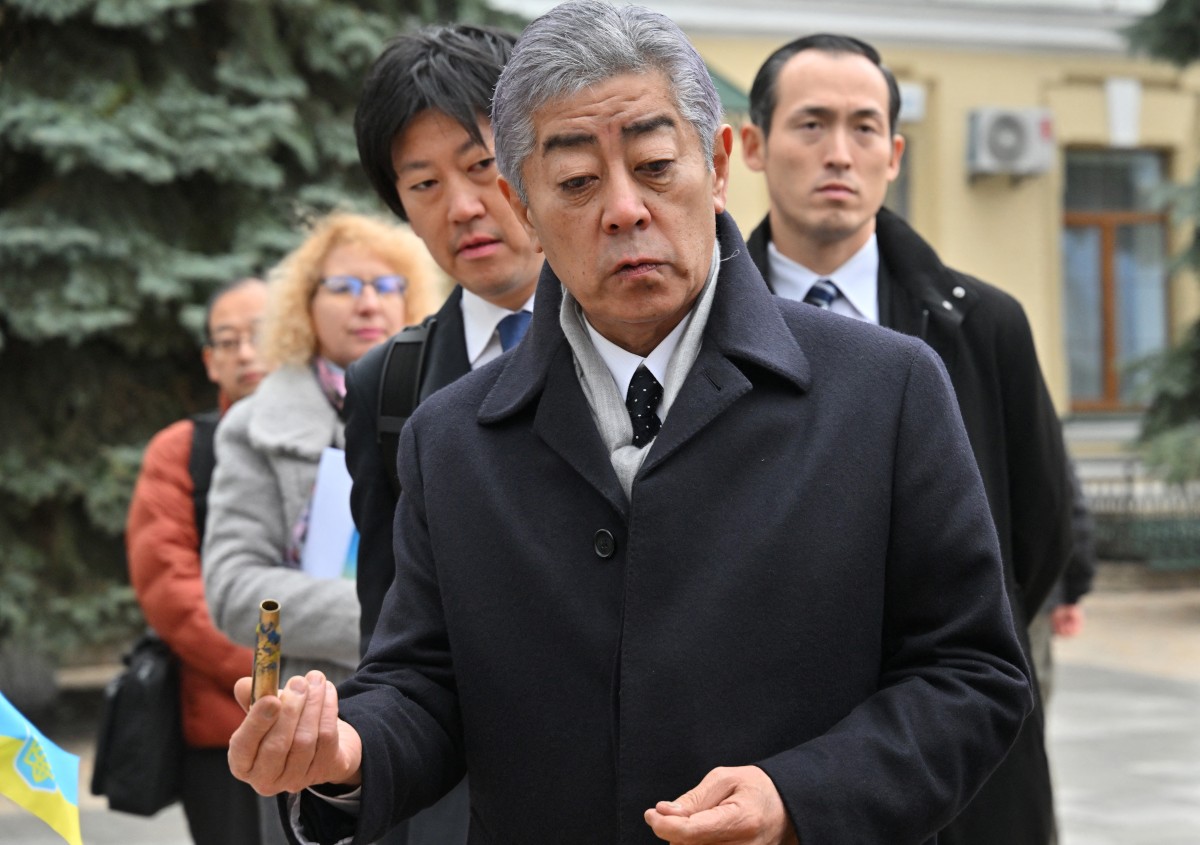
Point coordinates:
[[857, 280], [623, 364], [480, 319]]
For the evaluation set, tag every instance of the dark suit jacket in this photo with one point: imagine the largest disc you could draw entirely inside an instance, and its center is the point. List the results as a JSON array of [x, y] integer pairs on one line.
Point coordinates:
[[806, 577], [371, 501], [373, 507], [982, 336]]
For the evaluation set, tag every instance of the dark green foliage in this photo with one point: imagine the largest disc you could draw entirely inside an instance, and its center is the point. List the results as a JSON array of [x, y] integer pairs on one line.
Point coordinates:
[[150, 150], [1170, 435], [1171, 427], [1172, 33]]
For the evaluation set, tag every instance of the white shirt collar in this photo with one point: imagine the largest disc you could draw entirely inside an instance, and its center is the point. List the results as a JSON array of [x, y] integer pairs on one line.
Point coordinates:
[[480, 319], [857, 279], [623, 364]]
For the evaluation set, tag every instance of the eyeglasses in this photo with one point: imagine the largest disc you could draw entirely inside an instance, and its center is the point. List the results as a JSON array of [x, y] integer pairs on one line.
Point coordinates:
[[230, 344], [353, 285]]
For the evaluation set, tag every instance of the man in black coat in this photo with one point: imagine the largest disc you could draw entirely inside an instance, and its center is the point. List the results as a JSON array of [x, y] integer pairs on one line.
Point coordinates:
[[692, 563], [425, 142], [823, 131]]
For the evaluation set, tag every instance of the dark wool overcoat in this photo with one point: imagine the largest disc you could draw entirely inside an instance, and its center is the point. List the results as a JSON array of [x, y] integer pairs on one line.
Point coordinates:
[[373, 505], [983, 337], [806, 577]]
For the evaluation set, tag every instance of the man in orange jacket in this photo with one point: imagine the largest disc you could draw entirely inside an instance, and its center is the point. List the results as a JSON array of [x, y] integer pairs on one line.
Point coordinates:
[[163, 536]]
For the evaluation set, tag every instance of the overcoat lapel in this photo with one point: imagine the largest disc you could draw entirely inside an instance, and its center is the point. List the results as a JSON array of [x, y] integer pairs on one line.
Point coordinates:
[[564, 421], [744, 325], [447, 348], [541, 371], [925, 301], [898, 308], [743, 308], [713, 384]]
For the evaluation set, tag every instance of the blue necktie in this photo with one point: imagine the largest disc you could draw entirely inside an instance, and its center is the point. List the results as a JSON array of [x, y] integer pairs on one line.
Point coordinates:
[[512, 329], [643, 397], [822, 293]]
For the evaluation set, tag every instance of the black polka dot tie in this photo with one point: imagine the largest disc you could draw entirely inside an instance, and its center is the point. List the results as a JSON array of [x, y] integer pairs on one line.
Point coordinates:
[[642, 399], [822, 293]]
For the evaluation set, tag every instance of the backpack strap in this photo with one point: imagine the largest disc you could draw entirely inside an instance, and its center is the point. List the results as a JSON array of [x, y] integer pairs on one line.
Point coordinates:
[[400, 391], [201, 462]]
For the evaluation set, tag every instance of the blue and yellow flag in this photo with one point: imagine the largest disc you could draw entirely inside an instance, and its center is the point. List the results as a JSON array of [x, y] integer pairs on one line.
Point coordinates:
[[38, 775]]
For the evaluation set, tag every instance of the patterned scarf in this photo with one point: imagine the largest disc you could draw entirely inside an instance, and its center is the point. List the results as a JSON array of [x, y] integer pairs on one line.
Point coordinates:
[[332, 380]]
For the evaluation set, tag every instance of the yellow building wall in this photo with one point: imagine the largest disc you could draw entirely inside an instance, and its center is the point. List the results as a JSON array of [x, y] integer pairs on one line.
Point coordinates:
[[1004, 231]]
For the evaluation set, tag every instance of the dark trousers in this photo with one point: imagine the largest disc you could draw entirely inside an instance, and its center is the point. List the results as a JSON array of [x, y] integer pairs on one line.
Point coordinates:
[[220, 809]]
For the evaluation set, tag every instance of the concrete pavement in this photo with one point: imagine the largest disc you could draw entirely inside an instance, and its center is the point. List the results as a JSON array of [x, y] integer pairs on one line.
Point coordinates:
[[1124, 733], [1124, 722]]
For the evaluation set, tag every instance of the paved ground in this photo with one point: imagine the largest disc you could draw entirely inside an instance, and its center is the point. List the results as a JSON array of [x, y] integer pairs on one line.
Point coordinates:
[[1124, 730], [1124, 722]]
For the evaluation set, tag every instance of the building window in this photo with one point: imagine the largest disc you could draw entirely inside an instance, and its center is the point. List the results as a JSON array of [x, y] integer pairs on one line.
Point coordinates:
[[1115, 274]]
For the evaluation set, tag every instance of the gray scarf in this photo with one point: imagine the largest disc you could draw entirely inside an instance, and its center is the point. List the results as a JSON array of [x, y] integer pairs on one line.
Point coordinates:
[[606, 401]]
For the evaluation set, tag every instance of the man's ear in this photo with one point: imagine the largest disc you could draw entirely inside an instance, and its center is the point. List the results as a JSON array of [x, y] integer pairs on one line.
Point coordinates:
[[897, 155], [521, 210], [722, 149], [754, 147]]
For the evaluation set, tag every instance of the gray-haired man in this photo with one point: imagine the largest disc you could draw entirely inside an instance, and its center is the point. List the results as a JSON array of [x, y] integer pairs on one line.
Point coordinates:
[[728, 573]]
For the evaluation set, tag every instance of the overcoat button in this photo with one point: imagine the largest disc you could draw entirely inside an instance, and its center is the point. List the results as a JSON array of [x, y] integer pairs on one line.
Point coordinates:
[[604, 543], [959, 291]]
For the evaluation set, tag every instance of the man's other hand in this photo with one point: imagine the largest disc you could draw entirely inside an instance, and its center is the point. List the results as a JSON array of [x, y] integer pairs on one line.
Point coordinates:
[[739, 806], [294, 740], [1066, 620]]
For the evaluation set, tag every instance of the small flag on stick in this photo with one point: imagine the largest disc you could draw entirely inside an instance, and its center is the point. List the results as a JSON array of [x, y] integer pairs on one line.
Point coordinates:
[[38, 775]]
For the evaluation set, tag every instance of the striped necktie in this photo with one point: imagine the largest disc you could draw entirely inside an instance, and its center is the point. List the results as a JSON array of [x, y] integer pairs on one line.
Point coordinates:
[[822, 294]]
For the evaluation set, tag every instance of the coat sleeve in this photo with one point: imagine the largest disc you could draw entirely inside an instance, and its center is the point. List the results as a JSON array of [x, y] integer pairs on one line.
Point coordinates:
[[164, 560], [243, 559], [1081, 568], [371, 502], [1039, 486], [953, 685], [415, 755]]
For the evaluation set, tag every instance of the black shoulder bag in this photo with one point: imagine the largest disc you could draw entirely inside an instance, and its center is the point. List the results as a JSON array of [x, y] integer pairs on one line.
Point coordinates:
[[139, 746]]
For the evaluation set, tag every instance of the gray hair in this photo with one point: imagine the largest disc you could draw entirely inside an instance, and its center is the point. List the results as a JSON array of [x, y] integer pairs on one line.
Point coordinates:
[[582, 43]]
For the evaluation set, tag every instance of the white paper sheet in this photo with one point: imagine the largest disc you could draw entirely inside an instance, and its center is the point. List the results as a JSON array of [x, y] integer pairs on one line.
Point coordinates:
[[331, 545]]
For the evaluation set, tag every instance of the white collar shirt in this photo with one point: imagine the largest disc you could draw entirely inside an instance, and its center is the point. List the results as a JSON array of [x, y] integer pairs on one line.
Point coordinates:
[[480, 319], [623, 364], [857, 280]]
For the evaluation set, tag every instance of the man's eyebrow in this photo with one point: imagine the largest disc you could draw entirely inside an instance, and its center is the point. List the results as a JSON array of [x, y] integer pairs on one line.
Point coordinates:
[[644, 127], [463, 148], [568, 140], [826, 113]]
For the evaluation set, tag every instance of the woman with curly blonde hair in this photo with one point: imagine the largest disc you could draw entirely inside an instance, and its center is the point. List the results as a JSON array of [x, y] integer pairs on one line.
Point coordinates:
[[352, 283], [304, 301]]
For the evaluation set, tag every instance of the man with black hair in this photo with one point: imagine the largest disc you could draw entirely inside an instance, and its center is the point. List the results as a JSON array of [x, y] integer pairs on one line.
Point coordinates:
[[823, 114], [425, 142]]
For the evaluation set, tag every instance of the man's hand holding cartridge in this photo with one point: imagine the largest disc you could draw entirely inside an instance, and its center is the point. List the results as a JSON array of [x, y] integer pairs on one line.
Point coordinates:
[[294, 740]]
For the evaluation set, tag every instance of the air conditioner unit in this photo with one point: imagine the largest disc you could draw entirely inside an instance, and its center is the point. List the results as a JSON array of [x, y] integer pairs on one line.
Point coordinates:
[[1012, 142]]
